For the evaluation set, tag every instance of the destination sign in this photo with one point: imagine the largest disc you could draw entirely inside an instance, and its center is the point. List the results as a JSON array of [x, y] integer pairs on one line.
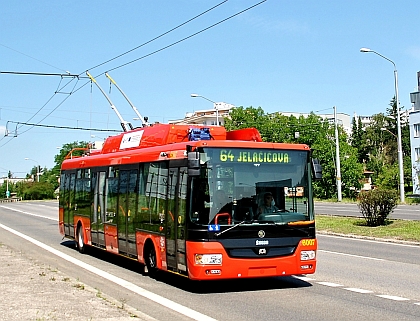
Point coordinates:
[[263, 156]]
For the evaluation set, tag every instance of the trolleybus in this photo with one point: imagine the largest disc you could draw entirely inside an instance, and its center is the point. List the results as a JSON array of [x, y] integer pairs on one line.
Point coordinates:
[[204, 203]]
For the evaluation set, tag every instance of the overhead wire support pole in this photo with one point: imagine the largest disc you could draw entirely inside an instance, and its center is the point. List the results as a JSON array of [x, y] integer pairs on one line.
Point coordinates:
[[143, 120], [126, 126]]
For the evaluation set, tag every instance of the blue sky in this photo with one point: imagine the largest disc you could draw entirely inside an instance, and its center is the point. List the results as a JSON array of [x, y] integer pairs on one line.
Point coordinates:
[[287, 55]]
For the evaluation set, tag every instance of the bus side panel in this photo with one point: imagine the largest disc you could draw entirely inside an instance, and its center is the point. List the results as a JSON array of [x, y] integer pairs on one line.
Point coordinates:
[[61, 220], [232, 268], [159, 244], [85, 221], [111, 238]]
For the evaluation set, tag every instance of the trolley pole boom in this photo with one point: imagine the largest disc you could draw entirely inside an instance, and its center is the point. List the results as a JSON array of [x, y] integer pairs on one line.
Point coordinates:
[[143, 121], [124, 124]]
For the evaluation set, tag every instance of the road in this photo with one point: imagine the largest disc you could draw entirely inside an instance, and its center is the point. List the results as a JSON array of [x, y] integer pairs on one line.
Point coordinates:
[[402, 212], [355, 278]]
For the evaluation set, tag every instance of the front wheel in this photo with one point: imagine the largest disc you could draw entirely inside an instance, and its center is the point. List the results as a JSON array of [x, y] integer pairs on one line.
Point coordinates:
[[80, 243]]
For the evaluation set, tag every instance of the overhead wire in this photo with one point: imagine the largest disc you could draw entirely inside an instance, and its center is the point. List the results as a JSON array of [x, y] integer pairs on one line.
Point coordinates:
[[132, 61], [160, 36], [190, 36], [66, 127], [45, 63], [174, 43], [109, 60]]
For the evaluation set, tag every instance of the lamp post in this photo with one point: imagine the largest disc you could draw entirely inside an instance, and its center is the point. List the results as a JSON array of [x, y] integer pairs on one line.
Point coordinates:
[[37, 167], [214, 103], [337, 158], [400, 156]]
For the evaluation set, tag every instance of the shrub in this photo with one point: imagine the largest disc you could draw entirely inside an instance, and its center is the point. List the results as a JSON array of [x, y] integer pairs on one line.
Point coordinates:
[[37, 191], [376, 205]]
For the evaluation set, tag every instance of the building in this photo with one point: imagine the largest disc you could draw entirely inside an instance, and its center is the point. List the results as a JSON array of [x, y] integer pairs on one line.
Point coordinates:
[[222, 110], [206, 117], [342, 119], [414, 122]]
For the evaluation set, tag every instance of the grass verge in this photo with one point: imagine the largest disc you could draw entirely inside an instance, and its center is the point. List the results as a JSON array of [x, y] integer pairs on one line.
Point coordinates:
[[394, 230]]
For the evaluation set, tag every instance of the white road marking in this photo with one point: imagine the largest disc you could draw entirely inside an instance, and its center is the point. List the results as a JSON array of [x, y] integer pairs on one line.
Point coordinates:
[[303, 278], [358, 290], [392, 297], [129, 286], [334, 285], [28, 213], [352, 255], [145, 293]]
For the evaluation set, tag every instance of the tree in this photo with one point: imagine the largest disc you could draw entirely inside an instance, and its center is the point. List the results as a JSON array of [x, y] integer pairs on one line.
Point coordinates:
[[36, 191], [51, 176], [313, 131]]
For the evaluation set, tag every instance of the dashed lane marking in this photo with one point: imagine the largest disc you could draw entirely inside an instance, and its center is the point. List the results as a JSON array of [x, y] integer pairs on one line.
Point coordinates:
[[358, 290], [392, 297], [334, 285]]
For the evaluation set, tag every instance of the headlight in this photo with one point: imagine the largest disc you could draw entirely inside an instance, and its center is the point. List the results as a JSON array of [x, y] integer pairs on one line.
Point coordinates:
[[307, 255], [208, 259]]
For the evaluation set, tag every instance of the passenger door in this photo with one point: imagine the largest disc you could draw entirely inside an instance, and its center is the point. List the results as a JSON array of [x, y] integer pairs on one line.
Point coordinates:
[[175, 219], [127, 209]]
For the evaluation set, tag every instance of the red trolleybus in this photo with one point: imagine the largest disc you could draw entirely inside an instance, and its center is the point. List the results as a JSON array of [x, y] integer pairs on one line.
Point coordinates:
[[200, 202]]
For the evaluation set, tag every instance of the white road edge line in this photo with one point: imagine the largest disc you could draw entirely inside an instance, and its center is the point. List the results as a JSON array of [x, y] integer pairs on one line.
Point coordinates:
[[28, 213], [129, 286], [366, 240]]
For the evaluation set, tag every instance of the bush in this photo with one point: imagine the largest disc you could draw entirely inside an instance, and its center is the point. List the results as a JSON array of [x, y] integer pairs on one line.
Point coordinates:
[[37, 191], [376, 205]]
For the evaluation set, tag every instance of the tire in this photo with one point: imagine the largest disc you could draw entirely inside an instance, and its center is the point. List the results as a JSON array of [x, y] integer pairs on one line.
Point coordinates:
[[80, 242], [150, 260]]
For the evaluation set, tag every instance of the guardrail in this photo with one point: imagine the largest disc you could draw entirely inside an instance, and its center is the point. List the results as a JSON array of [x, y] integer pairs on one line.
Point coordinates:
[[10, 200]]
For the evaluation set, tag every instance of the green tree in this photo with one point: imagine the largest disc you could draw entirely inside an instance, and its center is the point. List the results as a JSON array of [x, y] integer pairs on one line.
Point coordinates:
[[51, 176], [313, 131], [36, 191]]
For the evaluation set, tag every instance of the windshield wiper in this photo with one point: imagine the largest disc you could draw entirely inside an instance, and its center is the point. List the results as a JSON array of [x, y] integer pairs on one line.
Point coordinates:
[[234, 226]]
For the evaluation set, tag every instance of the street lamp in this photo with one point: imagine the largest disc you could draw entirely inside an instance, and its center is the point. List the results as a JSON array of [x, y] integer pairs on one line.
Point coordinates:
[[387, 130], [37, 167], [400, 156], [337, 158], [214, 103]]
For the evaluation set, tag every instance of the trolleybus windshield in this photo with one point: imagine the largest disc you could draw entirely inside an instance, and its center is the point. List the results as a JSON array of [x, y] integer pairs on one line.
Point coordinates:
[[251, 186]]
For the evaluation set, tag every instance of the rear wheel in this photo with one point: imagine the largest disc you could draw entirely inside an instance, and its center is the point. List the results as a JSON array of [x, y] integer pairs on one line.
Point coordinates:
[[151, 260], [80, 240]]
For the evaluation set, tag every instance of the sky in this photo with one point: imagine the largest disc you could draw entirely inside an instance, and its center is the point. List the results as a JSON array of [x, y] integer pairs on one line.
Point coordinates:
[[290, 56]]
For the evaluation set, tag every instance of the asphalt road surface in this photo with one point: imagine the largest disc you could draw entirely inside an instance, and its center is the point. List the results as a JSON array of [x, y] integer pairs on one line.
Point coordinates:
[[355, 279]]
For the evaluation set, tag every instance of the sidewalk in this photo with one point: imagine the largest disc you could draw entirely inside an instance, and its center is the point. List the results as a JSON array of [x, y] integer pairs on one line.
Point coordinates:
[[32, 291]]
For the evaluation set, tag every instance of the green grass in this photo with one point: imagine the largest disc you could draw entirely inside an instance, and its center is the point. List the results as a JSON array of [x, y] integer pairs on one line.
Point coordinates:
[[395, 229]]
